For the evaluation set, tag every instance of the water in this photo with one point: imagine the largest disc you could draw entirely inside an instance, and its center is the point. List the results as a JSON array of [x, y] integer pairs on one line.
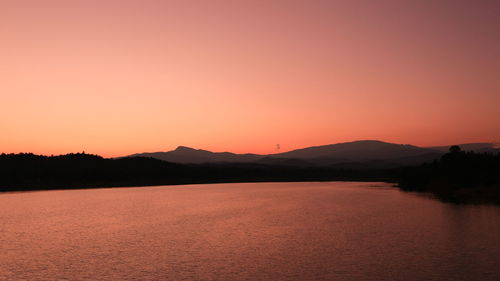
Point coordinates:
[[262, 231]]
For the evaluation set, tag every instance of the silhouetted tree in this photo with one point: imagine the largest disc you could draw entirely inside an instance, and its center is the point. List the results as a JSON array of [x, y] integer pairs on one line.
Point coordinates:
[[455, 149], [29, 171], [459, 176]]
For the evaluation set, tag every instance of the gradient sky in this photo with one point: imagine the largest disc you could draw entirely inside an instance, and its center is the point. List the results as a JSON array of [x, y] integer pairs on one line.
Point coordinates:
[[119, 77]]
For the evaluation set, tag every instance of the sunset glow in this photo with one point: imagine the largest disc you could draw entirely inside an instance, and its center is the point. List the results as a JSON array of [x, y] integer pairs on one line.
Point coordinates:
[[121, 77]]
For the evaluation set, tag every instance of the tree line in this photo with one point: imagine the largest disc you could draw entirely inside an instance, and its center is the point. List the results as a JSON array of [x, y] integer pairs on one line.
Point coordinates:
[[457, 176]]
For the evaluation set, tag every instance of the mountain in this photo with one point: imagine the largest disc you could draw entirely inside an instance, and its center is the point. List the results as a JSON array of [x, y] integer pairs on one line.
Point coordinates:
[[183, 154], [368, 152], [364, 150]]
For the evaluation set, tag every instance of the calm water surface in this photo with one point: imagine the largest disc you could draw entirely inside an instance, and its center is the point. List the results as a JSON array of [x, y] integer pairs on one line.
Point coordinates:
[[262, 231]]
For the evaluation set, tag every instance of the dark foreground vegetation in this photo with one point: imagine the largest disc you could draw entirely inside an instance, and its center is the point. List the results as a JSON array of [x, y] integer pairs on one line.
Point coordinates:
[[31, 172], [462, 177]]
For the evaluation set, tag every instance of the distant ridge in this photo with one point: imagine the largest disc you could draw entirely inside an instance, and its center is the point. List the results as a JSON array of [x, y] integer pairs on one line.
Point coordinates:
[[184, 154], [362, 150], [367, 152], [370, 153], [455, 176]]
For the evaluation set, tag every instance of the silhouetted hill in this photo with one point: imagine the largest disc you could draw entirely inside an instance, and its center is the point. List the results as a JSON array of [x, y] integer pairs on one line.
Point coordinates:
[[31, 172], [365, 150], [457, 176], [284, 161], [357, 151], [185, 154]]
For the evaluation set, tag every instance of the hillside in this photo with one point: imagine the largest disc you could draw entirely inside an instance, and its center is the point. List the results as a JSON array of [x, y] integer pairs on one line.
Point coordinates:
[[387, 155]]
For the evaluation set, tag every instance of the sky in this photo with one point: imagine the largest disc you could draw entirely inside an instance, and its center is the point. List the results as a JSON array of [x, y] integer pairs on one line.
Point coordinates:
[[121, 77]]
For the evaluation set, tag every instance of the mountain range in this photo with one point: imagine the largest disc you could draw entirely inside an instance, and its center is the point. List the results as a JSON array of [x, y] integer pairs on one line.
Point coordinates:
[[356, 154]]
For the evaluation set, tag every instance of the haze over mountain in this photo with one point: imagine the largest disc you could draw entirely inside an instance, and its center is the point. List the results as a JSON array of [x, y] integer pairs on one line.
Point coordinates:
[[356, 151], [370, 153], [183, 154]]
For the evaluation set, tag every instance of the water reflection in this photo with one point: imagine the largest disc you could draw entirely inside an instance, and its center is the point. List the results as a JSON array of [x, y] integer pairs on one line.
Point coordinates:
[[264, 231]]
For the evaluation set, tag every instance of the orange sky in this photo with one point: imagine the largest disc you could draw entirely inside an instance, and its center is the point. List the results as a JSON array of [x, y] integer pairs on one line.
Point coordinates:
[[119, 77]]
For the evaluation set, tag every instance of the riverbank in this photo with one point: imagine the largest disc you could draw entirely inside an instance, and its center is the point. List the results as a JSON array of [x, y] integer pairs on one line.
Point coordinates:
[[457, 177], [20, 172]]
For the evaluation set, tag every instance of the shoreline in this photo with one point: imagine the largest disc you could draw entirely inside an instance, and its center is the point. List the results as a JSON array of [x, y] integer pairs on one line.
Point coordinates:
[[79, 187], [467, 196]]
